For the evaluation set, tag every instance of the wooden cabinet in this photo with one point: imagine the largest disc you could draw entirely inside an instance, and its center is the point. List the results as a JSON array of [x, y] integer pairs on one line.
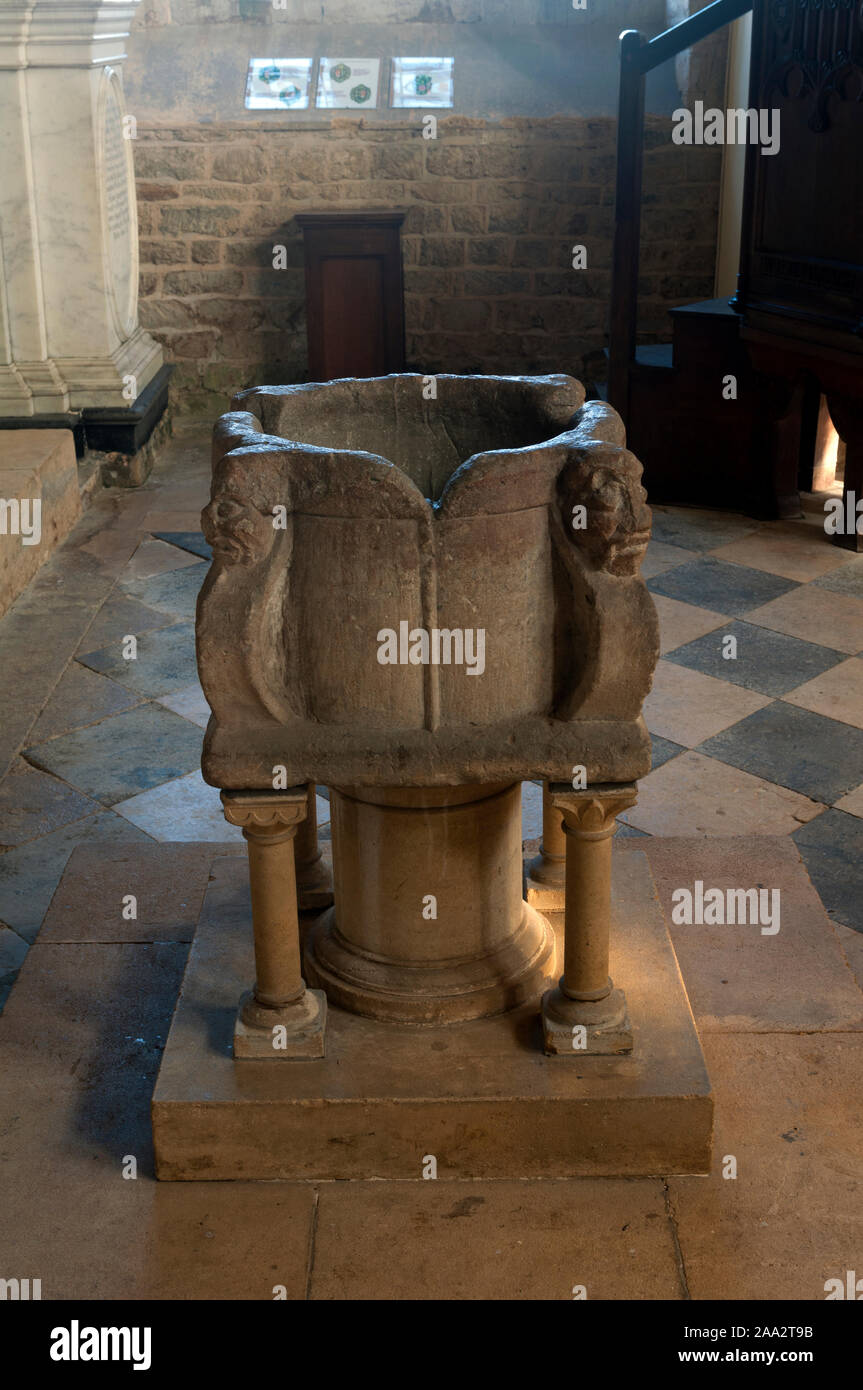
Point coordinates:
[[801, 272], [354, 293], [802, 244]]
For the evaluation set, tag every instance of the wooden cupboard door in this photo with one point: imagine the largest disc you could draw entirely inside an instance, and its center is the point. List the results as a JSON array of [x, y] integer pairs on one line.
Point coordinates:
[[353, 312], [354, 294]]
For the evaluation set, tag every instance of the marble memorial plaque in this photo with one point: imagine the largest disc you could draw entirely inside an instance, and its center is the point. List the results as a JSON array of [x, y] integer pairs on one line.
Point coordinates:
[[118, 227]]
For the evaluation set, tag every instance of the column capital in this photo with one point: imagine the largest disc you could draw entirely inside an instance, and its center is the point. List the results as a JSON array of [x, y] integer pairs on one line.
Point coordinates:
[[266, 815], [64, 33], [591, 814]]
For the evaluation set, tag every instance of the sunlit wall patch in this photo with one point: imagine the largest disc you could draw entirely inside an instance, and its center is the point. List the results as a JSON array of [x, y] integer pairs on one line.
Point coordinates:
[[422, 82], [278, 82]]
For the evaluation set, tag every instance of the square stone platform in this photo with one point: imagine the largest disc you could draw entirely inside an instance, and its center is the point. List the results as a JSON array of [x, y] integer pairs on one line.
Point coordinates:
[[480, 1097]]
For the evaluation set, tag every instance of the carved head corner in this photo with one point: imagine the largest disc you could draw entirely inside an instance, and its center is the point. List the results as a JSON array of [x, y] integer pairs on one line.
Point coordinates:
[[605, 508], [238, 520]]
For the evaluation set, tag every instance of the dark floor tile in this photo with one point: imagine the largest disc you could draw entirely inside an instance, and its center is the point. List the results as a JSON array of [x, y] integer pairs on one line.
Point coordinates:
[[629, 832], [81, 697], [33, 804], [663, 750], [106, 1011], [13, 949], [847, 579], [119, 618], [831, 847], [193, 541], [165, 661], [167, 882], [809, 753], [127, 754], [38, 637], [723, 587], [29, 874], [697, 529], [175, 592], [769, 662]]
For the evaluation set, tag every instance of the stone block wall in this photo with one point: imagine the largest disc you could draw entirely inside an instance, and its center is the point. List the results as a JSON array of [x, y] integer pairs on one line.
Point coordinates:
[[493, 211]]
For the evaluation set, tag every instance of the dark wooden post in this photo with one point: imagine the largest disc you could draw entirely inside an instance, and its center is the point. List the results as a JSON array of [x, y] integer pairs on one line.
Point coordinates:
[[627, 219]]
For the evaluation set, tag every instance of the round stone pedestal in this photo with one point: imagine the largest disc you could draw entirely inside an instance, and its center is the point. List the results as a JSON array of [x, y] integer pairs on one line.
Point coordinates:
[[429, 925]]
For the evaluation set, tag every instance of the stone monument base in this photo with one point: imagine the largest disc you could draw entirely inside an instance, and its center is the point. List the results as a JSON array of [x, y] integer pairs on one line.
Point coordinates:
[[127, 433], [480, 1097]]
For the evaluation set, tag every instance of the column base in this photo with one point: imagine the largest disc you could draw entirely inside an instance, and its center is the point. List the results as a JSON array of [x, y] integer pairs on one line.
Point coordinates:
[[296, 1031], [431, 994], [576, 1027], [429, 926]]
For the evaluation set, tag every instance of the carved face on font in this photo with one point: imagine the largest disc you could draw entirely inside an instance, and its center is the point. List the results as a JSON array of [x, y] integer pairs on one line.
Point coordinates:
[[606, 483]]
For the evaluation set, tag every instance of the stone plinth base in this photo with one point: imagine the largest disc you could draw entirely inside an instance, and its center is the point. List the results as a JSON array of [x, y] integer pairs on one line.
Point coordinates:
[[36, 466], [297, 1031], [480, 1096]]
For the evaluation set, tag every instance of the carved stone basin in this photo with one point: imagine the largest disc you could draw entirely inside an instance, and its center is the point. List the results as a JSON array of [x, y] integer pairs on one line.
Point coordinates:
[[423, 592], [504, 515]]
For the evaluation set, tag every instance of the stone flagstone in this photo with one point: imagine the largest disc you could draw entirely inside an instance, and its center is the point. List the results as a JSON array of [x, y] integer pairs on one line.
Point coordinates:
[[175, 592], [694, 794], [164, 661], [32, 804], [82, 697], [740, 978], [132, 752]]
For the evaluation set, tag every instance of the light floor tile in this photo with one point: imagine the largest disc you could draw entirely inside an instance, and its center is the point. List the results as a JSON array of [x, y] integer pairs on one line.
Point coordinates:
[[661, 557], [696, 795], [744, 974], [185, 809], [155, 557], [190, 702], [788, 1110], [484, 1240], [852, 802], [189, 809], [815, 615], [785, 550], [837, 693], [683, 622], [688, 707]]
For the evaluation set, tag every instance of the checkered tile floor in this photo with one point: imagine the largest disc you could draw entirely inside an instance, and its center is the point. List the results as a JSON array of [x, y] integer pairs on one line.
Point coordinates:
[[756, 711], [757, 704]]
